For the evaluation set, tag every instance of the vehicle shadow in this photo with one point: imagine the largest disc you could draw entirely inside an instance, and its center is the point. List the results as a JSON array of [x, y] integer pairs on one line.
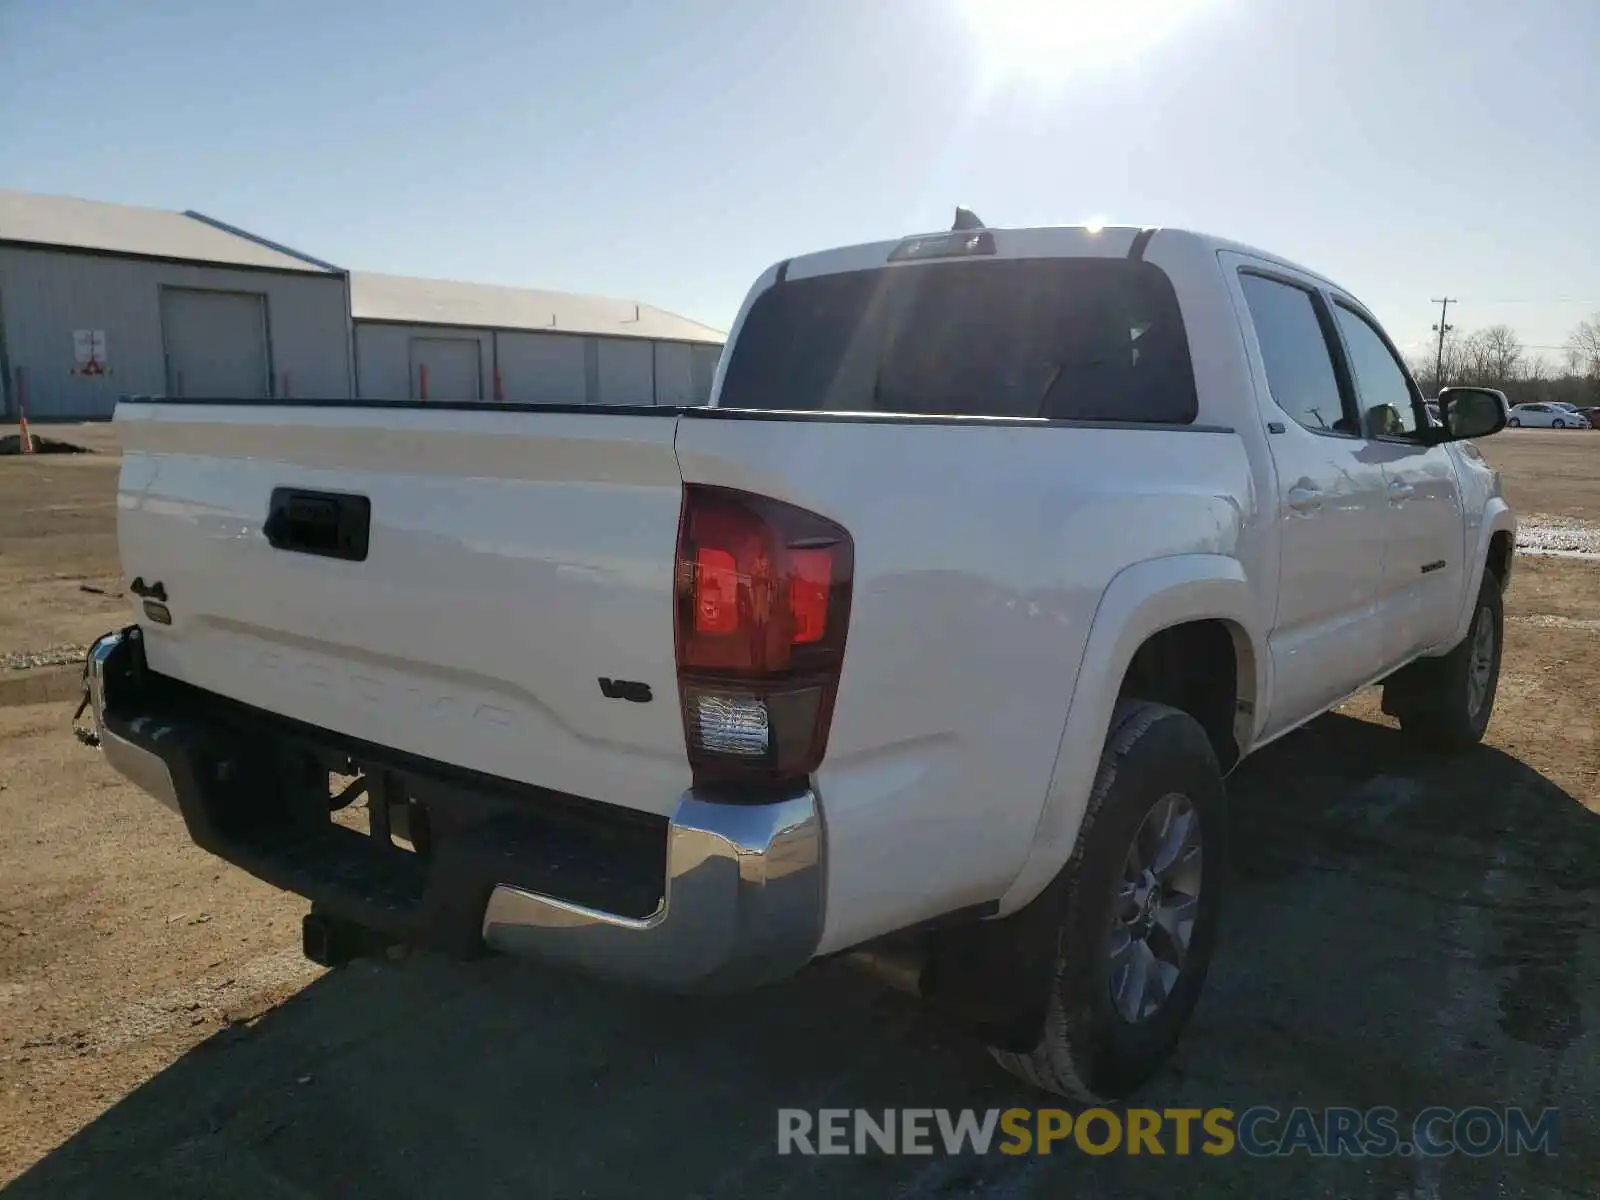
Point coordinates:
[[1401, 930]]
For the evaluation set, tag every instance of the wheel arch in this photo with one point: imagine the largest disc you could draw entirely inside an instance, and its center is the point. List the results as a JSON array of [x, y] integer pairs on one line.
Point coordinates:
[[1493, 549], [1142, 602]]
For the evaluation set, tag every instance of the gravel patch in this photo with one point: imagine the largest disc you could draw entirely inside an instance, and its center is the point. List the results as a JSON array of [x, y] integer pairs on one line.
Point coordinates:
[[1547, 533], [1552, 621], [64, 655]]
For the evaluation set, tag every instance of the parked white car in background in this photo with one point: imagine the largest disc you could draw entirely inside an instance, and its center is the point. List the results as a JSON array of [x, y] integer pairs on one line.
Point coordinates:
[[1548, 416]]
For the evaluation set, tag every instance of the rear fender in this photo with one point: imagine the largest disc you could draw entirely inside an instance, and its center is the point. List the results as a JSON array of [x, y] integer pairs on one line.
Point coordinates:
[[1141, 600]]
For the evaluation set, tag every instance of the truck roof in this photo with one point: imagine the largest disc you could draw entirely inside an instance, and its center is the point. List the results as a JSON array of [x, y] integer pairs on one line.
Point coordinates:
[[1041, 241]]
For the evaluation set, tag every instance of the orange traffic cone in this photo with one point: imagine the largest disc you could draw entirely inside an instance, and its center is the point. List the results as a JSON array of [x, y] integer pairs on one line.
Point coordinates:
[[26, 444]]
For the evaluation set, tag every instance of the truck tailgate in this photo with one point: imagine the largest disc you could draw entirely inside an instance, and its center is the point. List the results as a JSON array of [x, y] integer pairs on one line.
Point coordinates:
[[515, 560]]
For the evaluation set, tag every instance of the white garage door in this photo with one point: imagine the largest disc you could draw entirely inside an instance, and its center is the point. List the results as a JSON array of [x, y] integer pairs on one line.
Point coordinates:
[[541, 368], [444, 369], [674, 374], [705, 370], [216, 343], [624, 374]]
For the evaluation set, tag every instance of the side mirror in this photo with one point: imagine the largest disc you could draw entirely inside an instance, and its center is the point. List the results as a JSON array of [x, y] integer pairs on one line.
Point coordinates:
[[1471, 412]]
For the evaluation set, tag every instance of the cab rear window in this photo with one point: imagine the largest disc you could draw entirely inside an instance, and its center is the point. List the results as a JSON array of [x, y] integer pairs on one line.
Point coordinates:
[[1063, 338]]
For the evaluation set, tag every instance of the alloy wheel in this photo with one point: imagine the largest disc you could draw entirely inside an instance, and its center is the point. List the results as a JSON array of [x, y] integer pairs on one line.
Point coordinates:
[[1156, 903], [1480, 666]]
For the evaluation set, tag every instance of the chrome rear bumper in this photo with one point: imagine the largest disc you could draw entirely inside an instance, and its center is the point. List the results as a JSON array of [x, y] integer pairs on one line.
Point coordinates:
[[143, 768], [741, 903]]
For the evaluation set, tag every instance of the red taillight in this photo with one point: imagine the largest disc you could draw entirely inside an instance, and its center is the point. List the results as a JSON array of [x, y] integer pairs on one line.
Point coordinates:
[[763, 599], [716, 592], [808, 593]]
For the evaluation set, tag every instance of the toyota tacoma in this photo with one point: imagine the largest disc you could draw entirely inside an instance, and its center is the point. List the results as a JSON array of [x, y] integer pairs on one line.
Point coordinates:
[[929, 642]]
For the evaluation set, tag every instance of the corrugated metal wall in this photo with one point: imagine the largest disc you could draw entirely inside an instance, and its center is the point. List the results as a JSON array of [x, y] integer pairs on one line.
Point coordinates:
[[46, 295], [535, 368], [624, 372], [543, 368], [703, 363], [674, 373]]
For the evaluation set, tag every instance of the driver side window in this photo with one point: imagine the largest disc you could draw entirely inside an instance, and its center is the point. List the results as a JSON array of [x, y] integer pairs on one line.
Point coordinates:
[[1388, 405]]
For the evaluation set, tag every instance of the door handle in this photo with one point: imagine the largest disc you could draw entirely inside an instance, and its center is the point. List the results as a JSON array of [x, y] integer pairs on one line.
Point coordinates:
[[1399, 490], [1305, 500], [330, 524]]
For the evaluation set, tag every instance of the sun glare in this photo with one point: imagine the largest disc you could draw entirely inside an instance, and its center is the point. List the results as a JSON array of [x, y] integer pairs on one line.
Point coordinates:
[[1049, 41]]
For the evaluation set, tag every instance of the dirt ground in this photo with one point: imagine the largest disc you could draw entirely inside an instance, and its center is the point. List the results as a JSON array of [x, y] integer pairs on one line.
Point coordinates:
[[1401, 930], [1549, 470]]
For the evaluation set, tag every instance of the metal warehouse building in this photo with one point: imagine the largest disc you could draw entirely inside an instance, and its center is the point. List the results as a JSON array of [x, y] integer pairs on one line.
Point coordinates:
[[428, 339], [100, 300]]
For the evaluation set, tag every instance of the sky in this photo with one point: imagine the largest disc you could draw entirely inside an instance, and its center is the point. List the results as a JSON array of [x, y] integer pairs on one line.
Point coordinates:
[[669, 151]]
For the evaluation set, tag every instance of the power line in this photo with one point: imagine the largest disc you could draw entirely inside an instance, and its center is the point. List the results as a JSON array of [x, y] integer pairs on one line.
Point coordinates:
[[1529, 300]]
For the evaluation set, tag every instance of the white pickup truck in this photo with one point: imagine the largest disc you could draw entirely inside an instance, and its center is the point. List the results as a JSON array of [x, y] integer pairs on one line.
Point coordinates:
[[930, 640]]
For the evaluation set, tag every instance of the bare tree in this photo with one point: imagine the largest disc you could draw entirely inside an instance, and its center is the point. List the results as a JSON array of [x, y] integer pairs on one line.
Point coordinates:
[[1425, 365], [1473, 364], [1583, 348], [1421, 365], [1495, 357], [1491, 357], [1505, 353]]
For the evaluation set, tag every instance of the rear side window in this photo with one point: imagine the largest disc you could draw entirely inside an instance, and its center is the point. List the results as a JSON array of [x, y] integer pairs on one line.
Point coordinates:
[[1069, 339], [1294, 350]]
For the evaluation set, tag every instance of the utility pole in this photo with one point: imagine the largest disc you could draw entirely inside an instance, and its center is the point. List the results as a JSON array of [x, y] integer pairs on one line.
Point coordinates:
[[1441, 329]]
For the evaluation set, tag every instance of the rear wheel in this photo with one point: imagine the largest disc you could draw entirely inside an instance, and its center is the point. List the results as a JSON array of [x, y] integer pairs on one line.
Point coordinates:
[[1143, 897], [1447, 702]]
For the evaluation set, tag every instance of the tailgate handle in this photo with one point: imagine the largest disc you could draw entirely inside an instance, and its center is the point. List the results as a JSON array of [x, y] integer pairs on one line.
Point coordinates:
[[329, 524]]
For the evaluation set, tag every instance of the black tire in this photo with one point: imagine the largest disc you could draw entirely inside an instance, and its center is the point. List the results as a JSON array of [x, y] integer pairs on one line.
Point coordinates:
[[1087, 1049], [1515, 422], [1559, 423], [1446, 702]]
